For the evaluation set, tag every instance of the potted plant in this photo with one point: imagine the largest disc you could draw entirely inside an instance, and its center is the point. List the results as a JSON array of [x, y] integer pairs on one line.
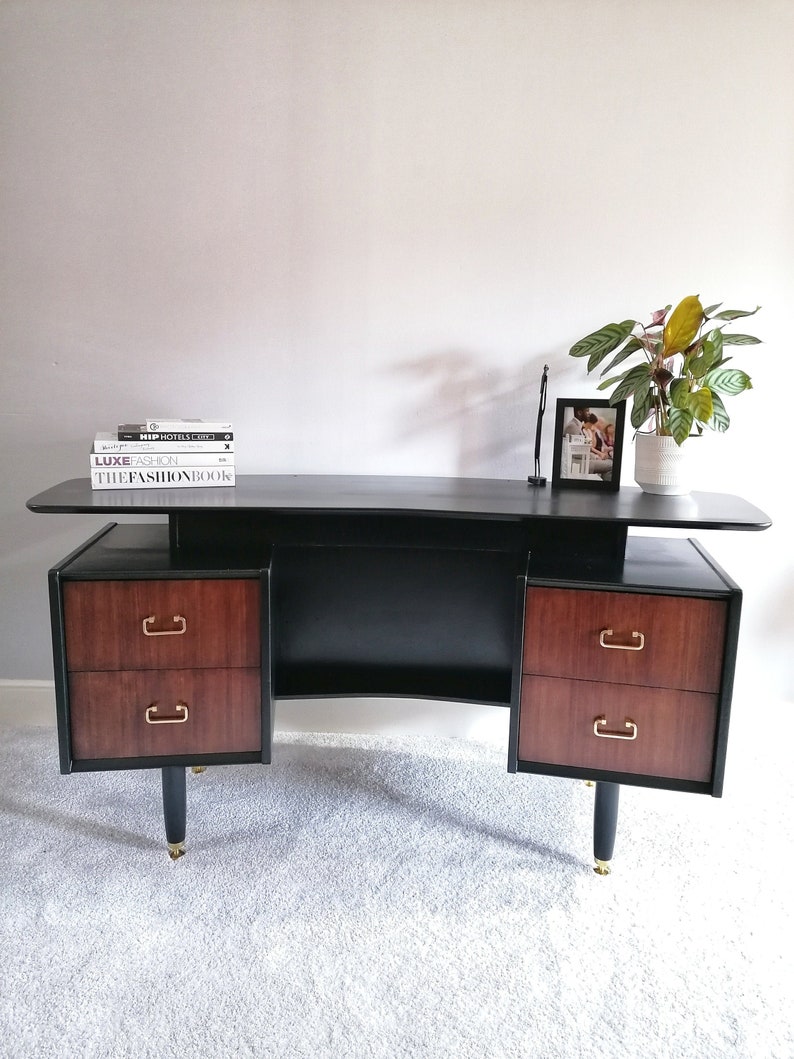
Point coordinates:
[[677, 388]]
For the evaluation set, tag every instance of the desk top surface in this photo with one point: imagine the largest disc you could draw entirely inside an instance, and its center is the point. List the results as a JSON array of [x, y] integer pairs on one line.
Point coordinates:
[[453, 497]]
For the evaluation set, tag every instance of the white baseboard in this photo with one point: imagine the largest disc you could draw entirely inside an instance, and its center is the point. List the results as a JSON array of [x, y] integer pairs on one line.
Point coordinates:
[[27, 702], [32, 702], [456, 720]]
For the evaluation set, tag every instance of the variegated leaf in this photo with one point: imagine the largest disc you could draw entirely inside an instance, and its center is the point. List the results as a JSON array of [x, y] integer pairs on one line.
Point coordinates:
[[740, 340], [638, 379], [720, 420], [642, 407], [602, 342], [679, 423], [736, 314], [679, 393], [710, 353], [632, 346], [727, 380], [611, 382]]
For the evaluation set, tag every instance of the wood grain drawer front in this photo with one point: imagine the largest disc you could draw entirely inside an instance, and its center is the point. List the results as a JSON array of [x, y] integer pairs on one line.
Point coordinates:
[[673, 738], [625, 638], [169, 624], [200, 711]]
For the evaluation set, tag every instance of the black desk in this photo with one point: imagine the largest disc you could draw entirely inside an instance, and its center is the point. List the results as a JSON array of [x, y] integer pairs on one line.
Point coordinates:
[[411, 587]]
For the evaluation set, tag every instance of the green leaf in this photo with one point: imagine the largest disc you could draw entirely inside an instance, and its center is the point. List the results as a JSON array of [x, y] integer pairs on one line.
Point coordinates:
[[740, 340], [711, 351], [641, 407], [634, 381], [727, 380], [602, 342], [679, 393], [720, 420], [711, 309], [632, 346], [611, 382], [720, 362], [735, 314], [679, 423]]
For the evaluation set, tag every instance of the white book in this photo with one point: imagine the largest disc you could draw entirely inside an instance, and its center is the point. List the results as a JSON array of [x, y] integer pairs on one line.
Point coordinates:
[[163, 478], [106, 441], [120, 460], [215, 426]]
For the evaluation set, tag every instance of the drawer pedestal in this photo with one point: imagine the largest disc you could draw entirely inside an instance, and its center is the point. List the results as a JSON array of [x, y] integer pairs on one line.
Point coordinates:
[[628, 680]]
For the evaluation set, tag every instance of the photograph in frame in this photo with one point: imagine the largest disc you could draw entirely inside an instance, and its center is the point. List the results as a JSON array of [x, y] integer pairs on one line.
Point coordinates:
[[588, 444]]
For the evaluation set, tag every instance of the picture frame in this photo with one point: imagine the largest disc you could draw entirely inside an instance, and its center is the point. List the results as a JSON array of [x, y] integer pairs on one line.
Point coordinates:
[[588, 444]]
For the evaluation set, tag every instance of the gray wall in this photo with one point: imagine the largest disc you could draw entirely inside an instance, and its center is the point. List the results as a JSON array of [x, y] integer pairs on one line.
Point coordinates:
[[359, 229]]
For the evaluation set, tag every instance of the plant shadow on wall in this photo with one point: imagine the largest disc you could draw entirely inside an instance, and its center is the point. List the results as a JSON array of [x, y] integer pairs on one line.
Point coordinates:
[[486, 412]]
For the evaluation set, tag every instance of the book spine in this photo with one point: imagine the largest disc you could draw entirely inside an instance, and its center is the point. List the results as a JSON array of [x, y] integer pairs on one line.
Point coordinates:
[[164, 478], [115, 460], [174, 435], [187, 424], [112, 444]]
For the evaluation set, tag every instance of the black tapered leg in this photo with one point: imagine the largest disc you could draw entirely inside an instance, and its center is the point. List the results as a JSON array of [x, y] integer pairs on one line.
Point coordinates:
[[175, 809], [605, 824]]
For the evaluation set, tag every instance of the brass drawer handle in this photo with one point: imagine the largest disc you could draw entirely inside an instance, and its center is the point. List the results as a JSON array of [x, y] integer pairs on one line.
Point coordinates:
[[181, 707], [599, 722], [622, 646], [165, 632]]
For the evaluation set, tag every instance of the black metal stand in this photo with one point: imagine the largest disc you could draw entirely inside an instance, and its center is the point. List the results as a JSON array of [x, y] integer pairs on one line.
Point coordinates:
[[605, 824], [537, 479], [175, 809]]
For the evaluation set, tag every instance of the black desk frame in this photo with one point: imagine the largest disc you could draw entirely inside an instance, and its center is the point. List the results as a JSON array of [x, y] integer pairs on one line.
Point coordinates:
[[409, 587]]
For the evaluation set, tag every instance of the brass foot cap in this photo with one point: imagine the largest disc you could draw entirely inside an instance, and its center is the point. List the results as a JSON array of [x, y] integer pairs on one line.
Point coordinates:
[[176, 850], [196, 769], [602, 867]]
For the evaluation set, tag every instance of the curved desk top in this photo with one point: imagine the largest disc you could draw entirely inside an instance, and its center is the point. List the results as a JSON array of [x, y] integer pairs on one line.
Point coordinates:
[[453, 497]]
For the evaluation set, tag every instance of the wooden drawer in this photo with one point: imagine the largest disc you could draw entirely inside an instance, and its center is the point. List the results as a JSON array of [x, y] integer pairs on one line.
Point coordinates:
[[194, 624], [625, 638], [675, 731], [109, 712]]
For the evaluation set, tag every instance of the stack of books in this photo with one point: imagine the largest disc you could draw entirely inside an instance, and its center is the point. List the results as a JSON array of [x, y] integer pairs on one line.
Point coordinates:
[[164, 454]]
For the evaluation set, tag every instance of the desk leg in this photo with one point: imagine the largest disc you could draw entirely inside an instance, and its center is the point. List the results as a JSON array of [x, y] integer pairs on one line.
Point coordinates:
[[175, 809], [605, 823]]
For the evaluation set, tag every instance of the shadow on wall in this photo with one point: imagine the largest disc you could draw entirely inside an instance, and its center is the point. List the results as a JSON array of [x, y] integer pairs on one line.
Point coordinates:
[[488, 414]]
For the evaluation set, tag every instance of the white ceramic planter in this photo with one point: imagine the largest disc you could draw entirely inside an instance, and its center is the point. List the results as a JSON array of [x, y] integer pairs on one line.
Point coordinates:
[[661, 466]]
